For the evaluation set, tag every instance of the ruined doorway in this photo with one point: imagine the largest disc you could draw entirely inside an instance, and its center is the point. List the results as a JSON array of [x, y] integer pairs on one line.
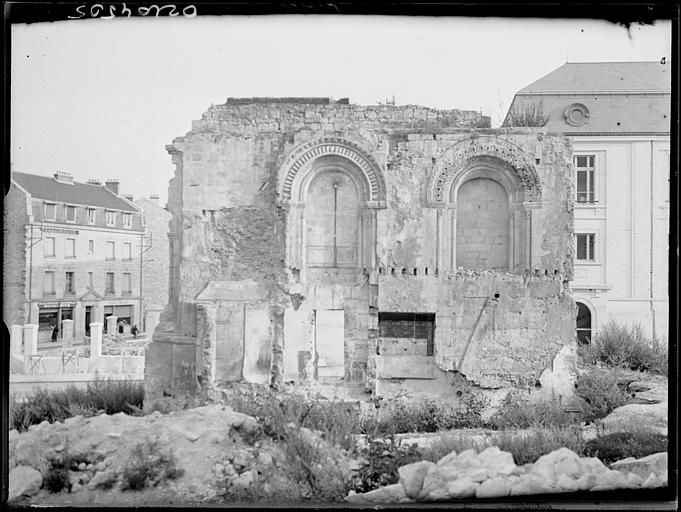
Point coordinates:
[[482, 228], [332, 221], [329, 337]]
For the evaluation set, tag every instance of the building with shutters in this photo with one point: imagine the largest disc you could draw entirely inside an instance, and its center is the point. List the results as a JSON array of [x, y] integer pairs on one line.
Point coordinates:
[[72, 251], [617, 117]]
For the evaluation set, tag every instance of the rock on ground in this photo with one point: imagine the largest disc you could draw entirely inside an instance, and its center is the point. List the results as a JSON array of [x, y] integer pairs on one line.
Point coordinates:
[[24, 481], [492, 474]]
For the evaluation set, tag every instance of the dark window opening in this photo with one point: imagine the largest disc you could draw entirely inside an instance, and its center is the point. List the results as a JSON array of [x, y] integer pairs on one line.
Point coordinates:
[[583, 324], [418, 327]]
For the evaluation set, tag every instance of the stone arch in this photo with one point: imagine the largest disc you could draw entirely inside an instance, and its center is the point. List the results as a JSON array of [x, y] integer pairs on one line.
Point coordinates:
[[306, 247], [457, 159], [299, 158]]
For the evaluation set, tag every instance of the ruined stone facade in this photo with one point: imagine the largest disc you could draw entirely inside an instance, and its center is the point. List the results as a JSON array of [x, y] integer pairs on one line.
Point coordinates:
[[382, 248]]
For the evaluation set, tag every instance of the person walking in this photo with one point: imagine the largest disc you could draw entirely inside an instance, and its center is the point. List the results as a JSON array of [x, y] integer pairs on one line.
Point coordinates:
[[134, 331], [55, 333]]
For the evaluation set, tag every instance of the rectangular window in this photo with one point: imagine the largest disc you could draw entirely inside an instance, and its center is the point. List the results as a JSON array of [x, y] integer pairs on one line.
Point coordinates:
[[49, 246], [50, 211], [90, 280], [90, 246], [48, 283], [69, 286], [127, 220], [406, 333], [110, 284], [586, 244], [70, 250], [127, 251], [91, 216], [70, 213], [126, 284], [585, 170], [110, 218], [111, 250]]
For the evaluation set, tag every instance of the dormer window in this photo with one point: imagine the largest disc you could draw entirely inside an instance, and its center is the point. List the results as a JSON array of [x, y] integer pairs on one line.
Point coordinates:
[[50, 211], [110, 218], [70, 213], [91, 215], [127, 220]]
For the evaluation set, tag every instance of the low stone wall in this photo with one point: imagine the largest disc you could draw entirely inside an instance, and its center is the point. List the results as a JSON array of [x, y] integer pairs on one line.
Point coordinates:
[[20, 385], [105, 365]]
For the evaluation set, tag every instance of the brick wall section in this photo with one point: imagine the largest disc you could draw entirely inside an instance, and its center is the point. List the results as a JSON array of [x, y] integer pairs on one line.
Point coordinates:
[[156, 257], [14, 262]]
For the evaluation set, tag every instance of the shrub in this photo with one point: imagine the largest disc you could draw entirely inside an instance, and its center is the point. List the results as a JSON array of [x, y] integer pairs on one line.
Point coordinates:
[[401, 416], [317, 466], [337, 422], [517, 412], [110, 396], [382, 458], [620, 445], [529, 114], [620, 346], [599, 393], [149, 464]]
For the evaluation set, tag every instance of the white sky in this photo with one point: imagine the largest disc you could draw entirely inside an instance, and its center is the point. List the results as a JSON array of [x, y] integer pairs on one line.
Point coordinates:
[[102, 98]]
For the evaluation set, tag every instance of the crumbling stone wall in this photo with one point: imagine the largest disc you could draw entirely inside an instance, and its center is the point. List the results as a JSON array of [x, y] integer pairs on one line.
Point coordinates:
[[243, 291]]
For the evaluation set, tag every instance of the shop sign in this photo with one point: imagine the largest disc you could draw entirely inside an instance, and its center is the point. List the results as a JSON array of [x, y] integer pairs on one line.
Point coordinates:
[[56, 304], [66, 231]]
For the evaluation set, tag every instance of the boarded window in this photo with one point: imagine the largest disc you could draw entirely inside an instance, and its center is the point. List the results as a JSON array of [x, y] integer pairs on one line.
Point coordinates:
[[406, 333]]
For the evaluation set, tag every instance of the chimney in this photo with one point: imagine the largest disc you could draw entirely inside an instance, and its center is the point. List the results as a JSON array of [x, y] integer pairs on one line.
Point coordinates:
[[128, 197], [112, 185], [154, 198], [94, 181], [64, 177]]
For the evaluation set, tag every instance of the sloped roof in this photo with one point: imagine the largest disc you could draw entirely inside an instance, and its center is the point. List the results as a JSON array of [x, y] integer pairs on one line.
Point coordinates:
[[608, 113], [620, 77], [51, 189], [621, 97]]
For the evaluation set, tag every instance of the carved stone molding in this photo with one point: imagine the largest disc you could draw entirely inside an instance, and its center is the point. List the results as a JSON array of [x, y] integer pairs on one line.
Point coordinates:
[[457, 158], [333, 146]]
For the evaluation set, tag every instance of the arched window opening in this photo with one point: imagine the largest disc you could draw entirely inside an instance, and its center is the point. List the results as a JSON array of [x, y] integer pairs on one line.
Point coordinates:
[[332, 220], [482, 228], [583, 324]]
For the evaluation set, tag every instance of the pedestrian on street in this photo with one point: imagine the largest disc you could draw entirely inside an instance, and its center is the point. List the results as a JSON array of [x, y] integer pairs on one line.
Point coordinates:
[[134, 331], [120, 326], [55, 332]]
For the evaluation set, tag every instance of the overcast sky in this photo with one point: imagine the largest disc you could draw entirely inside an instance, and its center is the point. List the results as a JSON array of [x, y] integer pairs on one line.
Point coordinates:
[[102, 98]]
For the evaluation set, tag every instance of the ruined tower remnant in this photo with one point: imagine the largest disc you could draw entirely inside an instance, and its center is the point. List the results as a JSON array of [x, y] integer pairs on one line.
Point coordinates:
[[384, 248]]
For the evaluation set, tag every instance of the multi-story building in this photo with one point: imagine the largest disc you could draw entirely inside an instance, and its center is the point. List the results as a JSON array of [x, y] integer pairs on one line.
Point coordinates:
[[155, 260], [617, 116], [73, 251]]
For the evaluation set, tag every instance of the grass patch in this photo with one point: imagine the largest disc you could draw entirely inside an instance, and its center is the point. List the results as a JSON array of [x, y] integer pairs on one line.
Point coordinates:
[[108, 396], [401, 416], [620, 445], [526, 447], [619, 346], [517, 412]]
